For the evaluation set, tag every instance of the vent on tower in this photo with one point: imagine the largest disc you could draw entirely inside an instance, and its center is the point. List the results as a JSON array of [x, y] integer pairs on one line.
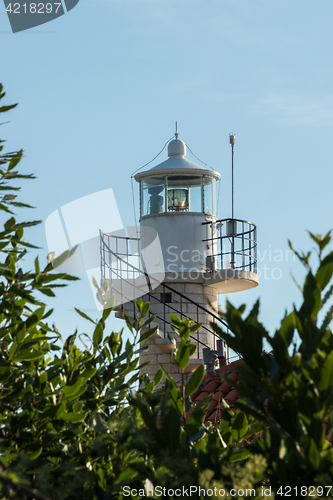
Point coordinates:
[[165, 297]]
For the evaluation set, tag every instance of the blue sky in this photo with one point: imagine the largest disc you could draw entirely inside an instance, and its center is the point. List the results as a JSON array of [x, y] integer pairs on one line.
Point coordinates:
[[100, 88]]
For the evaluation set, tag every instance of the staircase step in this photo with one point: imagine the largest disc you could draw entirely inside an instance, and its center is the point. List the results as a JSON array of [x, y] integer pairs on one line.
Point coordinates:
[[193, 365], [156, 335], [165, 345], [119, 314]]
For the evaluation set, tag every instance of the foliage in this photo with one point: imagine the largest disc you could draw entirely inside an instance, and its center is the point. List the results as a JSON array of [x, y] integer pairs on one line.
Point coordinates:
[[181, 452], [55, 404], [86, 424], [296, 387]]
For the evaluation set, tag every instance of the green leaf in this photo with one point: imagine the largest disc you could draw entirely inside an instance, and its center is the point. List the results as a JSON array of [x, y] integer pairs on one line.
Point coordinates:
[[88, 374], [106, 313], [85, 316], [21, 333], [9, 223], [240, 455], [7, 108], [126, 475], [70, 342], [327, 295], [63, 257], [156, 380], [128, 323], [61, 410], [14, 348], [35, 317], [36, 265], [313, 454], [195, 328], [287, 328], [9, 197], [204, 403], [175, 320], [192, 348], [47, 314], [249, 409], [171, 429], [74, 417], [148, 334], [194, 422], [98, 334], [158, 377], [312, 296], [325, 241], [149, 320], [182, 356], [320, 241], [28, 356], [46, 291], [115, 342], [75, 395], [325, 271], [69, 390], [147, 414], [109, 305], [326, 379], [35, 454], [328, 318], [145, 309], [240, 424], [303, 259], [193, 382]]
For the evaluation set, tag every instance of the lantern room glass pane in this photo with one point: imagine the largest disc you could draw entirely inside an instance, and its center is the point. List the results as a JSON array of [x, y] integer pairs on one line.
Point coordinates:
[[184, 193], [209, 195], [152, 195]]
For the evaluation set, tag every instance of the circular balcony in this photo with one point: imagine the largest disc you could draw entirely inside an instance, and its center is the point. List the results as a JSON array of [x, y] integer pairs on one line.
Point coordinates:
[[231, 262]]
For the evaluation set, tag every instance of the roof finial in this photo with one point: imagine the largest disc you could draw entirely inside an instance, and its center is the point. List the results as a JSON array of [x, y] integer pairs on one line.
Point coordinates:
[[176, 133]]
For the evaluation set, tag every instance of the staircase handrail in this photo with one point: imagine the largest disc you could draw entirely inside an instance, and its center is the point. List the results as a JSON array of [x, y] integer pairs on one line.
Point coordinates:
[[166, 286]]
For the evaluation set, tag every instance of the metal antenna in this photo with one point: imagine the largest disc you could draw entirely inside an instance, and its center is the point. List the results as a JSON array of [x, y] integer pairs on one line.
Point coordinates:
[[176, 134], [232, 139]]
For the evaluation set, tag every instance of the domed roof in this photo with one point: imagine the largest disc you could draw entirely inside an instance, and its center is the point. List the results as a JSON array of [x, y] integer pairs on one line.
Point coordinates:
[[177, 163], [176, 147]]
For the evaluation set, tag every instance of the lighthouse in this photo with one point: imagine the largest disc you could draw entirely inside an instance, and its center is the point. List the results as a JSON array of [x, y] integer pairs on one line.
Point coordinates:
[[203, 257]]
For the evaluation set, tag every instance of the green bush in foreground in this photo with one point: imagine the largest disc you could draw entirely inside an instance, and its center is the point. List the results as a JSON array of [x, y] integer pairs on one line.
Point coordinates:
[[298, 385], [73, 426]]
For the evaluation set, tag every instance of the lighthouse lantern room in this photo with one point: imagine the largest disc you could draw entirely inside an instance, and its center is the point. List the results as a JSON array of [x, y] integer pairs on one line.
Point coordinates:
[[176, 198]]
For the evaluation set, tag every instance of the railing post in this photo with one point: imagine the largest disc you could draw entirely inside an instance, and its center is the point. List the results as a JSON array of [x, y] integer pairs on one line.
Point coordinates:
[[164, 321], [255, 251], [221, 246], [243, 250], [232, 263], [127, 273], [249, 251], [198, 332], [101, 251]]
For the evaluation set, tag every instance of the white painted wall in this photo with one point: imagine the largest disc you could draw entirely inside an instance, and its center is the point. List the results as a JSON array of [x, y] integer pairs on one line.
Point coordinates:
[[181, 236]]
